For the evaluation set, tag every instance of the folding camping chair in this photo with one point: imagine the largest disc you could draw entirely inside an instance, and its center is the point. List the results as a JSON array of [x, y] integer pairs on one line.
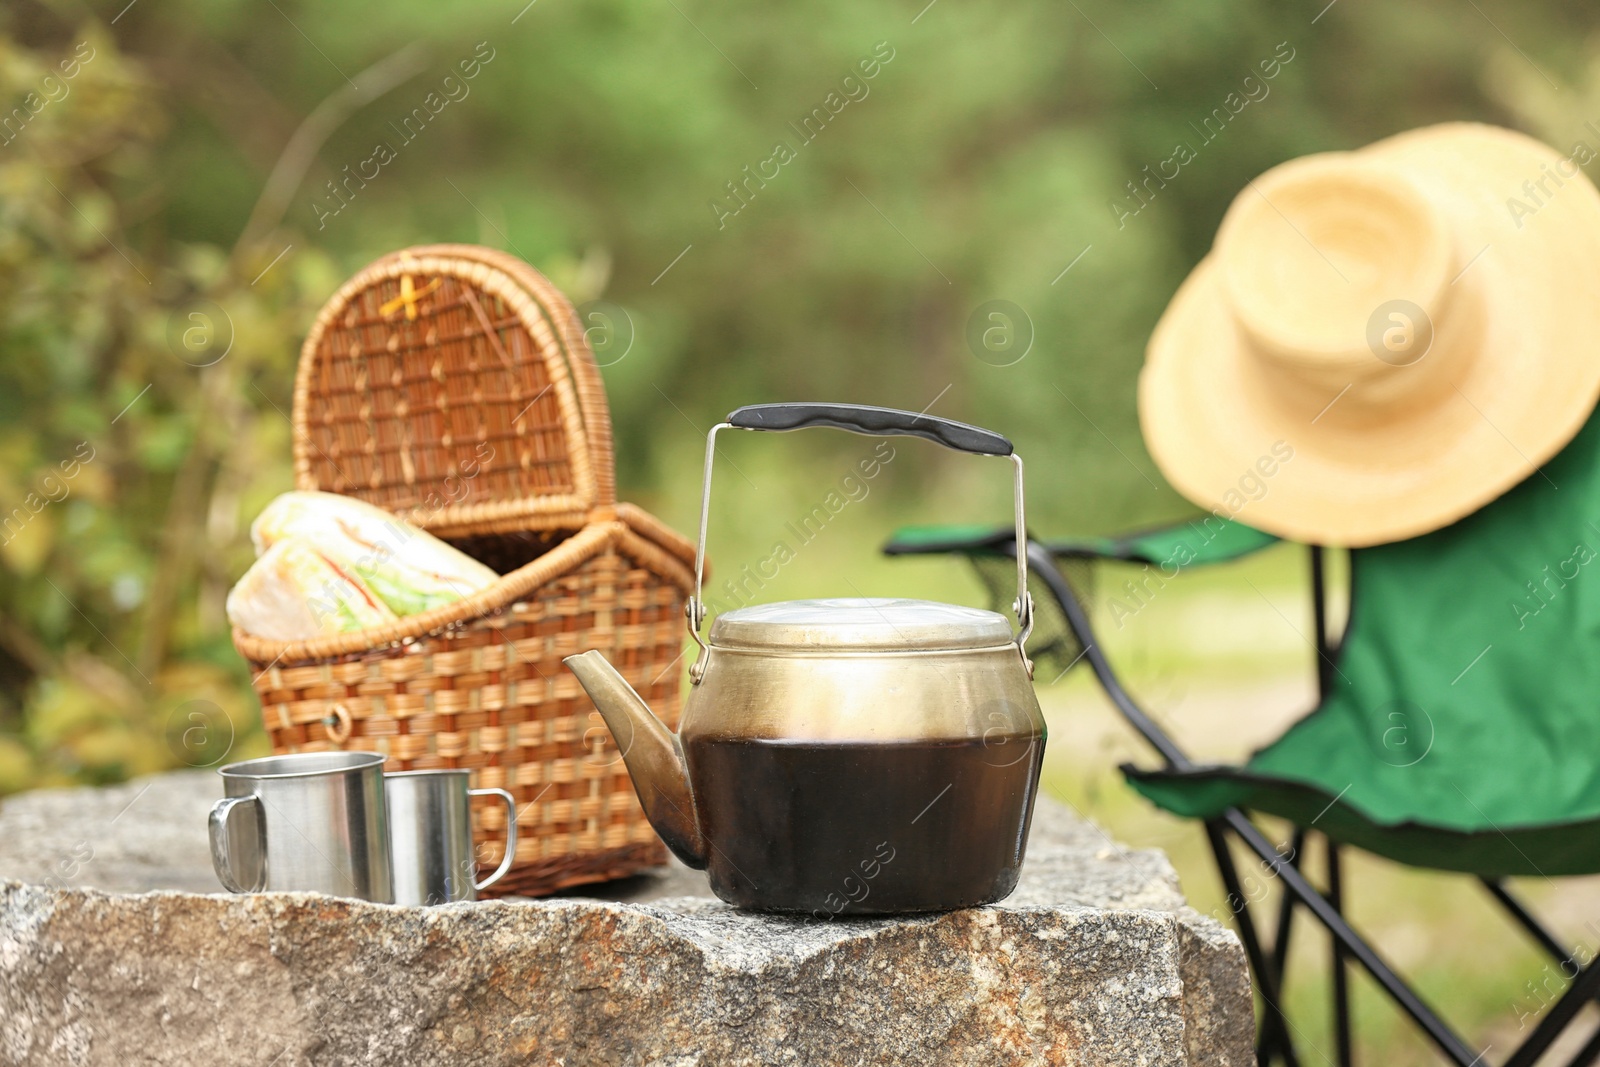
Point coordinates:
[[1458, 725]]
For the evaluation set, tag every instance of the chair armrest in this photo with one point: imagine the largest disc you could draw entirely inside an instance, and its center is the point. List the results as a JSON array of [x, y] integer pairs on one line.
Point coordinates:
[[1193, 543], [1197, 542], [938, 540]]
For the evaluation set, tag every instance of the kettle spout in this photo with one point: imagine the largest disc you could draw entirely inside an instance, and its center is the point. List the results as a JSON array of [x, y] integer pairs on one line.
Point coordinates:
[[652, 752]]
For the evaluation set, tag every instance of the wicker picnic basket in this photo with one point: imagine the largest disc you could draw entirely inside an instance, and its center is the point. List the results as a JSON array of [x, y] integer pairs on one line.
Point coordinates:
[[453, 386]]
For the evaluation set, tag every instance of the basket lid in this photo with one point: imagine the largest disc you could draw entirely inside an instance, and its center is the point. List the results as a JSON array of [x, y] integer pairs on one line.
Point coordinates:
[[452, 385]]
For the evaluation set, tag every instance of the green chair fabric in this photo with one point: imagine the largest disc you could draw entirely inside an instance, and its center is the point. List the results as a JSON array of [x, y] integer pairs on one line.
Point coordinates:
[[1461, 730]]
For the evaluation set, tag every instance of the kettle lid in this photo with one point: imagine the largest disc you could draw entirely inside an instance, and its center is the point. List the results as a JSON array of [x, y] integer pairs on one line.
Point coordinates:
[[880, 624]]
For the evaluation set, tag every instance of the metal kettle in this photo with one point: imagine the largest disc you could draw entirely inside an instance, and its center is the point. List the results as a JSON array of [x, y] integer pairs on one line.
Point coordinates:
[[844, 756]]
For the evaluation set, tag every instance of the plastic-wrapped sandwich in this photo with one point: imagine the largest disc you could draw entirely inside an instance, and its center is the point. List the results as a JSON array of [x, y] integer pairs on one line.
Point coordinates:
[[330, 564], [294, 592]]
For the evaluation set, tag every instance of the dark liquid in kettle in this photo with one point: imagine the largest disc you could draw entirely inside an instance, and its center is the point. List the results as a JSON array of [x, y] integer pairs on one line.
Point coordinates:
[[856, 828]]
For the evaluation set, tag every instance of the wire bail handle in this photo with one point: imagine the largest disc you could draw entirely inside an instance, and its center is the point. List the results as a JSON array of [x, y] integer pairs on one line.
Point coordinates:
[[872, 422]]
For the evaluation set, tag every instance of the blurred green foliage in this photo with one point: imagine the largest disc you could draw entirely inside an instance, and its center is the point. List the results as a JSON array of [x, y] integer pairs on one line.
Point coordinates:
[[166, 235]]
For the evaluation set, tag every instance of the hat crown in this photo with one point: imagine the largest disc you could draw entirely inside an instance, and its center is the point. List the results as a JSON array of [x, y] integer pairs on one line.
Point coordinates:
[[1336, 270]]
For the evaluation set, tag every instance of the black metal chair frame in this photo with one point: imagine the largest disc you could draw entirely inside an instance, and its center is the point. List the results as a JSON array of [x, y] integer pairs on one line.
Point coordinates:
[[1275, 1041]]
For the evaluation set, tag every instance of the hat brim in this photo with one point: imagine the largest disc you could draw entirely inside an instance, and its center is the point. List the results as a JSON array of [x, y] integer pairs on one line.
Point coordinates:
[[1232, 444]]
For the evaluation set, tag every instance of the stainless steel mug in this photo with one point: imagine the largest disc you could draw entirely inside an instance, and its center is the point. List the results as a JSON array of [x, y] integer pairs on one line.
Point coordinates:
[[312, 821], [430, 826]]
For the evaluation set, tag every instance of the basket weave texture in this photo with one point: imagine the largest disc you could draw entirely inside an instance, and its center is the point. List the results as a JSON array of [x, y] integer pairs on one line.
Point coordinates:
[[452, 385]]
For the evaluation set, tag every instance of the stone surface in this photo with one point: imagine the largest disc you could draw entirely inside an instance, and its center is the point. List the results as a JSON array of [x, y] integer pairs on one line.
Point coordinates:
[[1094, 960]]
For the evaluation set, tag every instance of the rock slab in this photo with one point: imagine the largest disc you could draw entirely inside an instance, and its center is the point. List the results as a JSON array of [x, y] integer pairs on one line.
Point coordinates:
[[1095, 960]]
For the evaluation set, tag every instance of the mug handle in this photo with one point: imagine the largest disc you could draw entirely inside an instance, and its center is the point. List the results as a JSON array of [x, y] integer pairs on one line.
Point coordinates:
[[228, 841], [511, 834]]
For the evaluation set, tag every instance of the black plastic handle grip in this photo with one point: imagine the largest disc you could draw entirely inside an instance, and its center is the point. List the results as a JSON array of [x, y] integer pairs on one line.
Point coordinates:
[[874, 422]]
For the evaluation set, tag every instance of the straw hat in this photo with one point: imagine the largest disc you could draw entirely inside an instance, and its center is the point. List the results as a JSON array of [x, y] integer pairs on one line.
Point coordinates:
[[1382, 341]]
